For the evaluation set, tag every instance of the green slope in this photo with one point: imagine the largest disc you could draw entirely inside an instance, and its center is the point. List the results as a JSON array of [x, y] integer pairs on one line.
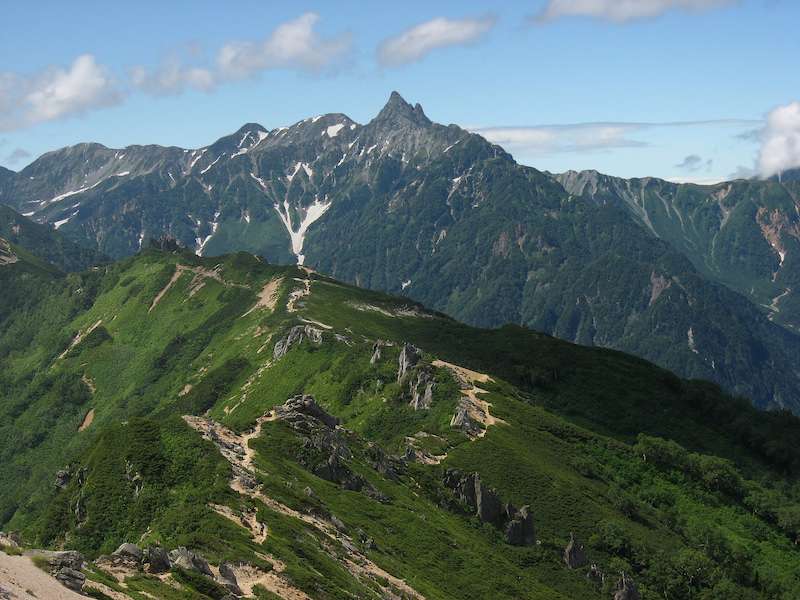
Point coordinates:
[[689, 491]]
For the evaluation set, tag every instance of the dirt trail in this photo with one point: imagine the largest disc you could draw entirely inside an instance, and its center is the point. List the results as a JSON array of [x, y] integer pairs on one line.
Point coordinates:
[[236, 450], [87, 420], [20, 579], [77, 339], [201, 274], [297, 294], [268, 296], [477, 409]]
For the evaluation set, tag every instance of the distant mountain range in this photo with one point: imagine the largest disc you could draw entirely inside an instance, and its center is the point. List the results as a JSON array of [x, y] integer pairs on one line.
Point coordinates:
[[702, 280]]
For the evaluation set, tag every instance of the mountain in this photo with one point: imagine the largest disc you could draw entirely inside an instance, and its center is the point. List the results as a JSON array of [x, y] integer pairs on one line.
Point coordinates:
[[45, 243], [744, 234], [279, 431], [405, 205]]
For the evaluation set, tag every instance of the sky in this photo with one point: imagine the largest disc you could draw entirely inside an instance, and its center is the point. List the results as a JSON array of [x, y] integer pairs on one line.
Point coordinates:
[[688, 90]]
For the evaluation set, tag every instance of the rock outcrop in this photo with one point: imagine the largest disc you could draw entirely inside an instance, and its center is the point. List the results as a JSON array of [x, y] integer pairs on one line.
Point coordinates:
[[227, 577], [156, 560], [296, 335], [410, 355], [296, 408], [421, 389], [574, 553], [626, 589], [66, 568], [517, 524]]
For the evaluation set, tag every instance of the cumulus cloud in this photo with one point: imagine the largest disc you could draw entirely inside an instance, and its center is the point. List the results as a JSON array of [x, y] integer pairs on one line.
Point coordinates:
[[621, 11], [417, 42], [55, 93], [292, 45], [693, 162], [780, 140]]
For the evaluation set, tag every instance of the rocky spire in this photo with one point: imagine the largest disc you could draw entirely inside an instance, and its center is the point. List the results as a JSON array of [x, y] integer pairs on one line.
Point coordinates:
[[398, 112]]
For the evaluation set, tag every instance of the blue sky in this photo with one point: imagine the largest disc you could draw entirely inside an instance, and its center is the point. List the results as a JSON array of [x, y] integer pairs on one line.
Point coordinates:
[[682, 91]]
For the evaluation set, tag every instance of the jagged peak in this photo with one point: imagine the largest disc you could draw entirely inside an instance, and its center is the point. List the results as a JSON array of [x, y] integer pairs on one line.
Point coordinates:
[[398, 110]]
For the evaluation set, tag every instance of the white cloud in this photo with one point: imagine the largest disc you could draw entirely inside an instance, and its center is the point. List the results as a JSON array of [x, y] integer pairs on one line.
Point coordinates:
[[586, 137], [780, 140], [293, 45], [623, 10], [172, 77], [55, 93], [417, 42]]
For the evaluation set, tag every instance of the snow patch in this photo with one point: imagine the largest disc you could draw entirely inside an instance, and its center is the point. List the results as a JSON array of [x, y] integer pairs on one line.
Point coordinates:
[[195, 158], [202, 243], [315, 119], [70, 193], [334, 130], [690, 338], [29, 214], [300, 165], [405, 284], [122, 174], [298, 237], [204, 171], [260, 181]]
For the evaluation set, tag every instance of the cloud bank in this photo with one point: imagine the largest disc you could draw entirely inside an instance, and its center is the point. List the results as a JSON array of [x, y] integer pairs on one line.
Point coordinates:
[[416, 43], [620, 11]]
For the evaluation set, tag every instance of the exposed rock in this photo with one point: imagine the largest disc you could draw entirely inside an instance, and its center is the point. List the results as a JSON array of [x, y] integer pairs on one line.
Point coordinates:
[[574, 553], [295, 336], [70, 559], [186, 559], [519, 529], [461, 420], [227, 577], [70, 578], [517, 524], [595, 575], [131, 550], [337, 522], [421, 389], [63, 478], [488, 506], [157, 560], [376, 351], [388, 466], [626, 589], [304, 405], [409, 356]]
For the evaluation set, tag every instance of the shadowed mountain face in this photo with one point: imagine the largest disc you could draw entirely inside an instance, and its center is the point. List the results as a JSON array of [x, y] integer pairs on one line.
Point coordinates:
[[697, 279]]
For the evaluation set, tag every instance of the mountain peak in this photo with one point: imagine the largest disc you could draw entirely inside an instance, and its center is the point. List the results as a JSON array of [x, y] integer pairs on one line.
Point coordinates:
[[398, 110]]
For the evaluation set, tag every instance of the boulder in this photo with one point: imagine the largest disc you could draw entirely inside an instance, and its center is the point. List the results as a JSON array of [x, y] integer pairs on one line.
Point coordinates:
[[131, 550], [186, 559], [304, 405], [519, 528], [157, 560], [462, 421], [227, 578], [62, 478], [70, 559], [409, 356], [626, 589], [70, 578], [574, 553]]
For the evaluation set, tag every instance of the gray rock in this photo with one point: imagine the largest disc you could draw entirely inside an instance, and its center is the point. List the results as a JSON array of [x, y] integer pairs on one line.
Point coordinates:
[[70, 578], [421, 388], [462, 421], [304, 405], [488, 506], [574, 553], [338, 524], [63, 478], [296, 336], [70, 559], [131, 550], [376, 352], [626, 589], [157, 560], [409, 356], [519, 529], [227, 577], [186, 559]]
